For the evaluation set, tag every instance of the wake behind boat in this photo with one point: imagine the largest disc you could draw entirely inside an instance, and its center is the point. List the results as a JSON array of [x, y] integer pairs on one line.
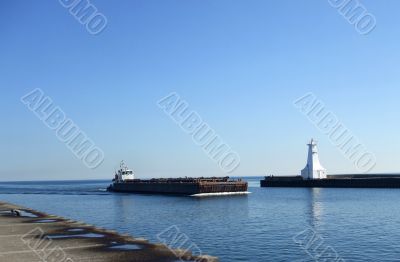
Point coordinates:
[[124, 181]]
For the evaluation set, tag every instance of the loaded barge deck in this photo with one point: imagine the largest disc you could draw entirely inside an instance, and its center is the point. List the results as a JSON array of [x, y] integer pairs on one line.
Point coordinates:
[[125, 182], [181, 186]]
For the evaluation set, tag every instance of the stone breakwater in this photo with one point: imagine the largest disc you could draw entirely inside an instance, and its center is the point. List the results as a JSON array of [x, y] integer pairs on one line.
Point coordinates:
[[27, 235]]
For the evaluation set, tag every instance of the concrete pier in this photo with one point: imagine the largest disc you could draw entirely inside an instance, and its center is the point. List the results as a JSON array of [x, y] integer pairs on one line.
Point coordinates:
[[30, 236]]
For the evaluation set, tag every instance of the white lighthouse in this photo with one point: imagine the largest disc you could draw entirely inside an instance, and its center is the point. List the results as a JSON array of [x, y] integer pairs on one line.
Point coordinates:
[[313, 169]]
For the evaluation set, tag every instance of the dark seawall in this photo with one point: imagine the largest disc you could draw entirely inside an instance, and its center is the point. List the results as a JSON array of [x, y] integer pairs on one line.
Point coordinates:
[[336, 181]]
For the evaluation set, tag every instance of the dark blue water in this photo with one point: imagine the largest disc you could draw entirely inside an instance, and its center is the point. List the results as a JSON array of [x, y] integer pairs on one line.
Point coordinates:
[[352, 224]]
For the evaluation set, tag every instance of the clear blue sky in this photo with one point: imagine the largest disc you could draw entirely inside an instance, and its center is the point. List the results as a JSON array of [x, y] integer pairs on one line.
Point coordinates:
[[240, 64]]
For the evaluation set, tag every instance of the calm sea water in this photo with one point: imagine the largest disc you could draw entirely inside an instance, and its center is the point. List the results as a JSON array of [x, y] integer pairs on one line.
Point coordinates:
[[267, 225]]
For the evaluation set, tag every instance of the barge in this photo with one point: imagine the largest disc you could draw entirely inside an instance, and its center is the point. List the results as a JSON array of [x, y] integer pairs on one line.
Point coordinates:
[[314, 175], [125, 182]]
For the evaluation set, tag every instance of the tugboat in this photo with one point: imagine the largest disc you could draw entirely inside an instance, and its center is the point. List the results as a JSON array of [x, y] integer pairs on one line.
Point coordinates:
[[124, 181], [124, 173]]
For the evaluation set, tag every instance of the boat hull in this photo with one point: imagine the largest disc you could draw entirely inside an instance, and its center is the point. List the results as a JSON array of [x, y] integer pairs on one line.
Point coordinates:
[[178, 187]]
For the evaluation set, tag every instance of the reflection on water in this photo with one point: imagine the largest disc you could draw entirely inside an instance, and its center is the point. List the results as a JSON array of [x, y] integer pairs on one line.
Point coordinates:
[[361, 224], [316, 207]]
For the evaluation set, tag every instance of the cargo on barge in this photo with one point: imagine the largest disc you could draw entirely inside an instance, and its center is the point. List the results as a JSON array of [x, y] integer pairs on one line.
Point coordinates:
[[125, 182]]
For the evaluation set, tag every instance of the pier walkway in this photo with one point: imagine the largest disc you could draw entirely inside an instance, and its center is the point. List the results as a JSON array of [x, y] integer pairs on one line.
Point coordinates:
[[30, 236]]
